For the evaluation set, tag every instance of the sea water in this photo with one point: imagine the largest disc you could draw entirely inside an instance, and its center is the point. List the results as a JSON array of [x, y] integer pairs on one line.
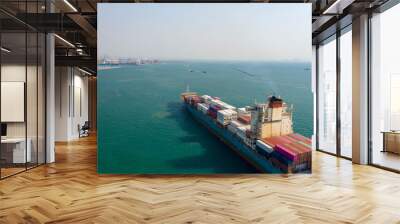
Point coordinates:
[[142, 127]]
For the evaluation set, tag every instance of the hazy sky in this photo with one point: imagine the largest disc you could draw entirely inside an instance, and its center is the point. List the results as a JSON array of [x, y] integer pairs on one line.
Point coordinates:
[[254, 31]]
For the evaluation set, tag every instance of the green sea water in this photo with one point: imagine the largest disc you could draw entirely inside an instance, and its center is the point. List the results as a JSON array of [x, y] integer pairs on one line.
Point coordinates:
[[143, 129]]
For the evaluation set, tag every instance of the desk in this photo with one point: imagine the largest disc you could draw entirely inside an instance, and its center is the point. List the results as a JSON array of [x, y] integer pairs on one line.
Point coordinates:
[[391, 141], [16, 147]]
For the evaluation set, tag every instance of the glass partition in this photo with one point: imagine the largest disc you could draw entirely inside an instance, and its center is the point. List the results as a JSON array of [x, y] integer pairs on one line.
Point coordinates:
[[41, 88], [32, 95], [22, 101], [385, 89], [346, 93], [32, 101], [327, 96], [15, 149]]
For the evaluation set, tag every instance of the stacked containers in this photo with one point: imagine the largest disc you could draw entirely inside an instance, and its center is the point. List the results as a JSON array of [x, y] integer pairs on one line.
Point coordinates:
[[206, 98], [212, 111], [233, 126], [292, 152], [202, 107], [241, 132], [242, 111], [244, 119], [263, 148], [295, 152], [280, 161], [221, 104], [224, 117], [236, 126], [194, 100]]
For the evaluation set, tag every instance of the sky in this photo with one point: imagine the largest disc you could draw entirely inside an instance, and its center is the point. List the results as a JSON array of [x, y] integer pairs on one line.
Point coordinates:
[[198, 31]]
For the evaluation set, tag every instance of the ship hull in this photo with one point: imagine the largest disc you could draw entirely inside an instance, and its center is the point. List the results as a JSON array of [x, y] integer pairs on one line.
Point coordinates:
[[234, 142]]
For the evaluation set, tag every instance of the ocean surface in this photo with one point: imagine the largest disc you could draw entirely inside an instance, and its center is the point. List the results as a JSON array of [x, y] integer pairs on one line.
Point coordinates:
[[143, 129]]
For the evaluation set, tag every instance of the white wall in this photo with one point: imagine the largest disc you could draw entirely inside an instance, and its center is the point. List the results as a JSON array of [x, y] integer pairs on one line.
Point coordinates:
[[62, 82], [79, 110], [70, 84]]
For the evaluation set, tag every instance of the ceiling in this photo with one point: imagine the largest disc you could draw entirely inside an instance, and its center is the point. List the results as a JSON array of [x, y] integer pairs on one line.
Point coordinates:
[[75, 21]]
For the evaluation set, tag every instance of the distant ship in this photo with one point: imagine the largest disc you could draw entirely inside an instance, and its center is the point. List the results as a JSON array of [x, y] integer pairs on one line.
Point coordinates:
[[261, 134]]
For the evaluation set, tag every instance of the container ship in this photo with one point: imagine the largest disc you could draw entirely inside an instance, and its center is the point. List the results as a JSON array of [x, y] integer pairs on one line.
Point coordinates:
[[261, 134]]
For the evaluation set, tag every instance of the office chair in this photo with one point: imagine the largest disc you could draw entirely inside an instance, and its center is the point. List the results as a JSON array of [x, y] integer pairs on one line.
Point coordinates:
[[84, 130]]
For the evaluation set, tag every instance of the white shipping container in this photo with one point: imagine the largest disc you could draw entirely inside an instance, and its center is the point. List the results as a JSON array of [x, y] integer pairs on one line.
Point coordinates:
[[241, 111], [202, 107], [242, 130], [227, 106], [264, 146], [240, 125], [224, 117], [221, 104], [206, 98], [236, 124]]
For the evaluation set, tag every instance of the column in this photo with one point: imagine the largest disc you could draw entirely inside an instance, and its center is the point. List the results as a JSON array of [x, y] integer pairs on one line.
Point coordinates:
[[360, 90]]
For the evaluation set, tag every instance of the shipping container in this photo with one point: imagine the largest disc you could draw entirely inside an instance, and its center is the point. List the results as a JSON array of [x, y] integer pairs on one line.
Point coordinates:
[[212, 113], [242, 111], [232, 129], [224, 117], [206, 98], [222, 105], [214, 108], [294, 152], [236, 124], [202, 107], [241, 132], [287, 165], [286, 152], [244, 119], [264, 146]]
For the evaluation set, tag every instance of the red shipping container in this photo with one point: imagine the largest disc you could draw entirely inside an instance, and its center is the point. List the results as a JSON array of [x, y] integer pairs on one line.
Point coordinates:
[[244, 119], [212, 113], [295, 152], [287, 153], [214, 108]]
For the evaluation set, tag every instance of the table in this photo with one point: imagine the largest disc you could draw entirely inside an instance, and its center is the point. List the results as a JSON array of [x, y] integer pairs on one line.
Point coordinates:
[[16, 147], [391, 141]]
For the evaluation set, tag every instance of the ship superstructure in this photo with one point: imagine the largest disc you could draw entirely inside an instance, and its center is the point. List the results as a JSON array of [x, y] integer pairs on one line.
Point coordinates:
[[261, 134]]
